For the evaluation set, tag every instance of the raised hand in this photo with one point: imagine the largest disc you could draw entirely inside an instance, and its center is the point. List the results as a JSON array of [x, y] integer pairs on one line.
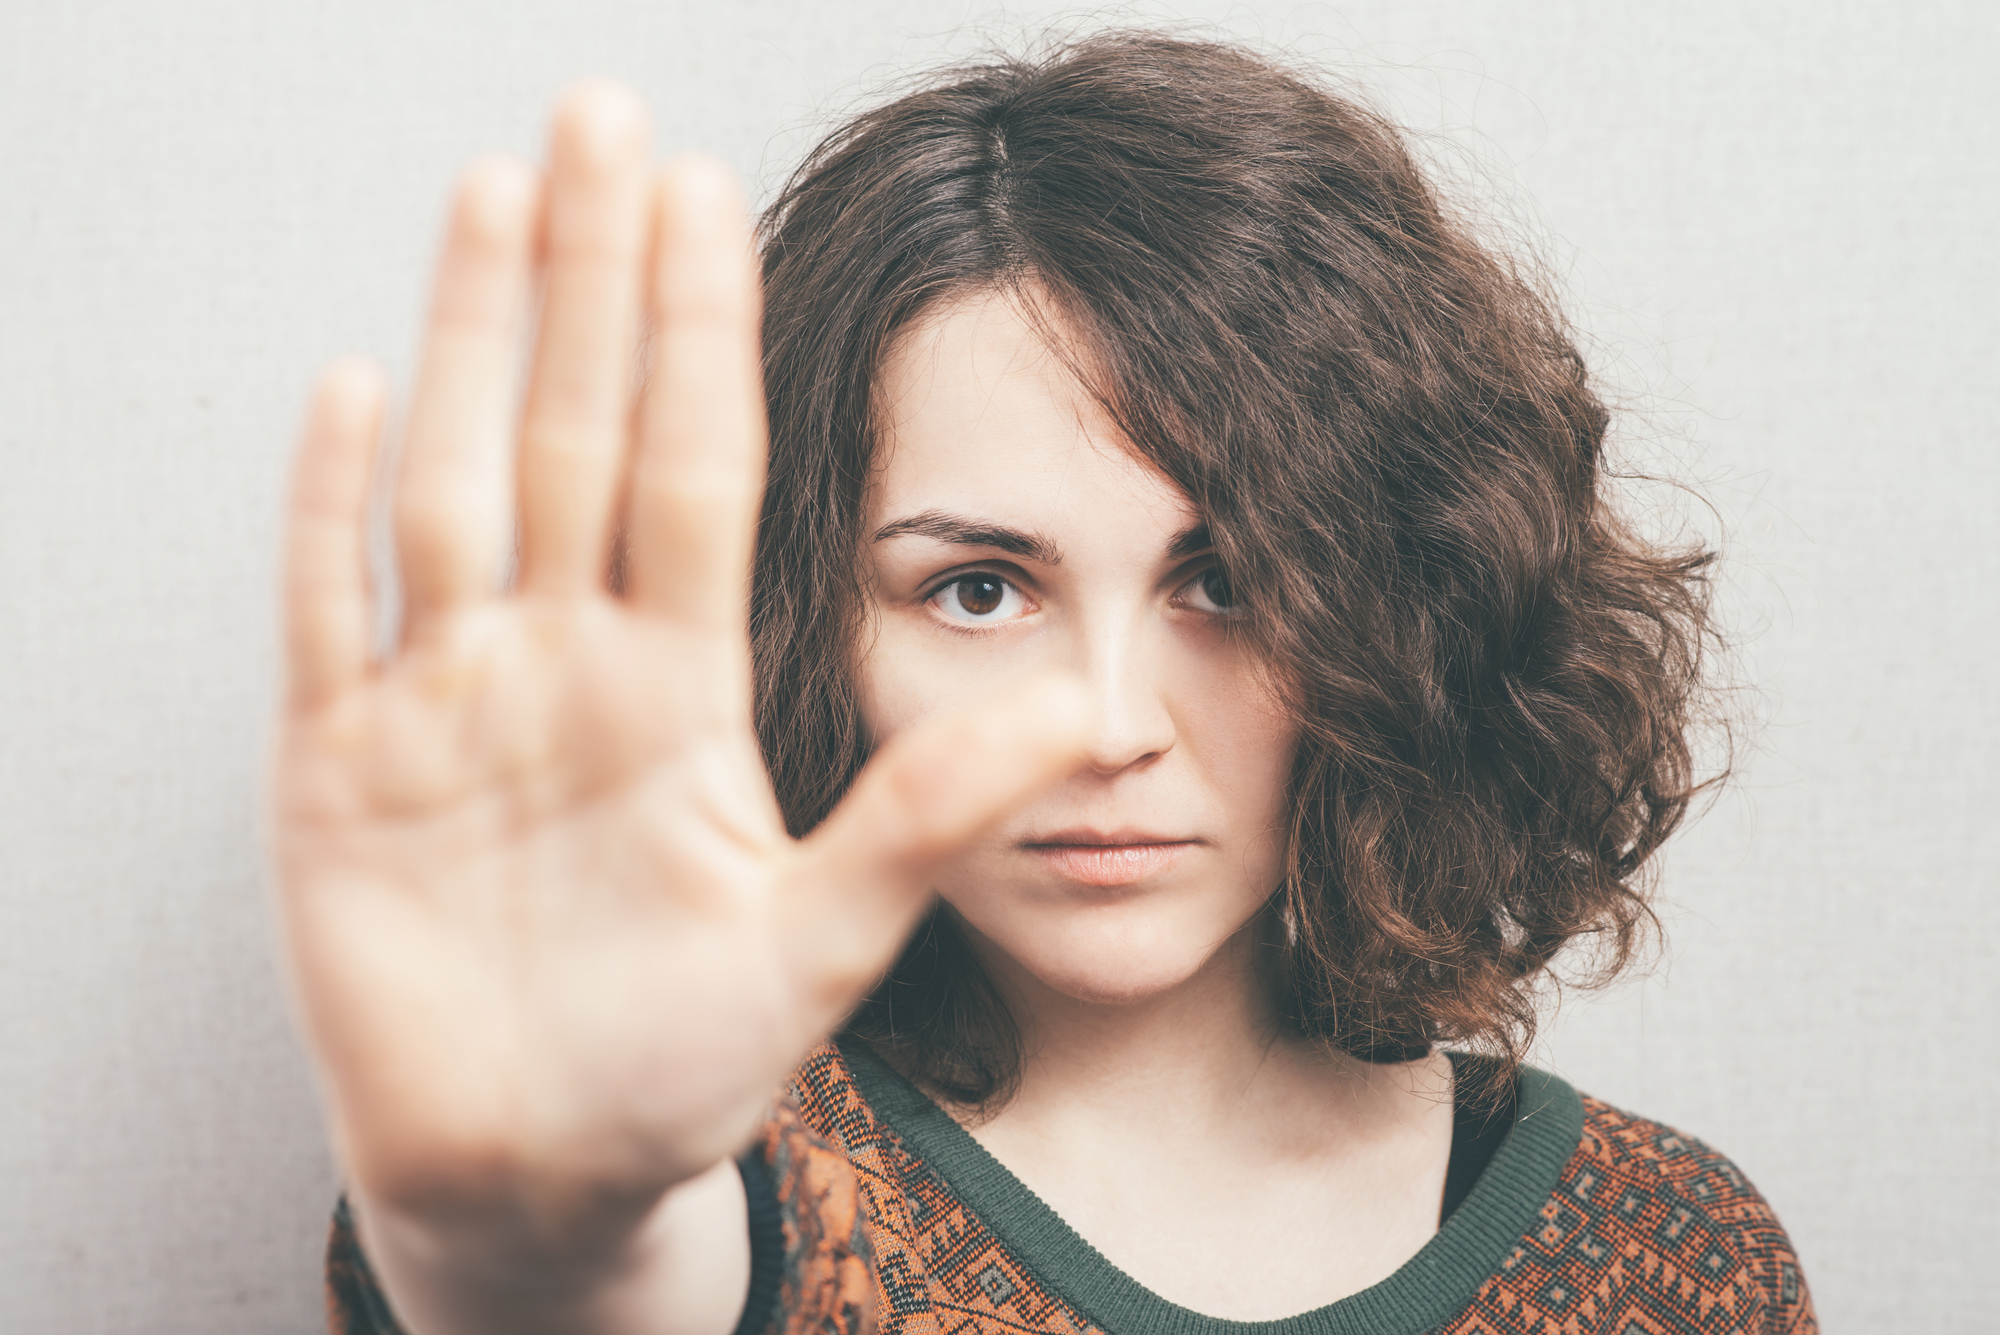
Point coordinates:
[[554, 950]]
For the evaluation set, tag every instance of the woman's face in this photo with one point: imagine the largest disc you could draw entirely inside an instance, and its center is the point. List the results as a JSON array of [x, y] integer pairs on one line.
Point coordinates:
[[1010, 530]]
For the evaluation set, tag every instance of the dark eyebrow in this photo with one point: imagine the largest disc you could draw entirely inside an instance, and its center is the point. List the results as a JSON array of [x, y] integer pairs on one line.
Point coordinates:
[[1190, 542], [974, 533]]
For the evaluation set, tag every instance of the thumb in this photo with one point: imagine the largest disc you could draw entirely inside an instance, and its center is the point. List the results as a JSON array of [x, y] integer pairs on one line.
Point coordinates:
[[923, 797]]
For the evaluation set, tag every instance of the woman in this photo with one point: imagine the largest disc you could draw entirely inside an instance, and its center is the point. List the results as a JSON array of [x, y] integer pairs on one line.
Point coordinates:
[[1189, 674]]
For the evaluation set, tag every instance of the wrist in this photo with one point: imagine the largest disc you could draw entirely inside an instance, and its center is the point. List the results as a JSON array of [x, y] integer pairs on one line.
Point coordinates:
[[510, 1270]]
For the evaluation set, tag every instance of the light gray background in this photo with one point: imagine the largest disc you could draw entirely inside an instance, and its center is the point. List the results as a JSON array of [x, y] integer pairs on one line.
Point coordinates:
[[1774, 221]]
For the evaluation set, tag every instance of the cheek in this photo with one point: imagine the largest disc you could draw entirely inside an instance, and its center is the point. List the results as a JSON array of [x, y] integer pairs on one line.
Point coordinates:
[[909, 671], [1242, 737], [893, 685], [1257, 788]]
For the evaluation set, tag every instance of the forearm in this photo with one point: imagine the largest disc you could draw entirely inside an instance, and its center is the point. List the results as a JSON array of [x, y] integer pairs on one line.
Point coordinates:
[[680, 1268]]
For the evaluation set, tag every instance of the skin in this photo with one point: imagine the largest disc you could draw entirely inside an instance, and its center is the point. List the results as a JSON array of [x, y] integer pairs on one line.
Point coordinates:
[[1121, 910], [1185, 771], [551, 947]]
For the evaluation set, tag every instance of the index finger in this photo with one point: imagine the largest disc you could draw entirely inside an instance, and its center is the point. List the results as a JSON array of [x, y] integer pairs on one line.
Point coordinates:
[[699, 470], [327, 600]]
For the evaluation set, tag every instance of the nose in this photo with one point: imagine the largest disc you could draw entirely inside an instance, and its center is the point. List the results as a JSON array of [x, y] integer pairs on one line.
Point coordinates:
[[1135, 724]]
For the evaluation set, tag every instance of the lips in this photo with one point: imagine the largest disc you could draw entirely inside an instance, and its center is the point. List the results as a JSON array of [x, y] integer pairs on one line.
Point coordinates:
[[1119, 857]]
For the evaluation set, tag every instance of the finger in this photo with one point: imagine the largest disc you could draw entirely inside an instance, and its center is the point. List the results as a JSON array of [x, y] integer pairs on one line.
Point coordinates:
[[926, 795], [327, 603], [453, 499], [580, 391], [700, 467]]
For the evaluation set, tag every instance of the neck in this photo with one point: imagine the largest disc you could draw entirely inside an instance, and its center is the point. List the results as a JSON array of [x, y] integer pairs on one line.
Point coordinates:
[[1216, 1159], [1193, 1053]]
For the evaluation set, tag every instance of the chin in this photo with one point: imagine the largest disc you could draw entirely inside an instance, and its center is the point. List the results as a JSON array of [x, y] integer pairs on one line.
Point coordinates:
[[1113, 955]]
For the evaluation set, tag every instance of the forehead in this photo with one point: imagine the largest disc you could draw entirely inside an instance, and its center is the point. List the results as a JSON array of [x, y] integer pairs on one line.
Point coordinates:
[[980, 417]]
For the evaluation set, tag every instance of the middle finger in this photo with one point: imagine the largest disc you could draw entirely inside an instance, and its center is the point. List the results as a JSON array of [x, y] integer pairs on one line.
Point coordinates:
[[578, 407]]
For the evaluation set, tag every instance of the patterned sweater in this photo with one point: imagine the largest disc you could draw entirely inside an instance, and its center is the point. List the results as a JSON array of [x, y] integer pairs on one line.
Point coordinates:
[[871, 1210]]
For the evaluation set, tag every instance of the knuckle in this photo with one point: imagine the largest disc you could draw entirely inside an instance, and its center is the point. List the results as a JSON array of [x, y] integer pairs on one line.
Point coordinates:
[[428, 528]]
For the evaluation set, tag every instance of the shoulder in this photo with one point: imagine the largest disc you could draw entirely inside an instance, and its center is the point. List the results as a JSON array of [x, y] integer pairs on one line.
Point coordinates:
[[1648, 1215], [936, 1259], [830, 1102]]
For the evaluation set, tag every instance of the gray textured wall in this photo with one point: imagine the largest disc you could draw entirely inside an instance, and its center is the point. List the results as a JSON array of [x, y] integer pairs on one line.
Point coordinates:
[[1774, 219]]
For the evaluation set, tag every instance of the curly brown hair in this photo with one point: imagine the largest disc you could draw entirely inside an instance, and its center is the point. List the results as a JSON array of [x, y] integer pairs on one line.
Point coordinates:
[[1398, 454]]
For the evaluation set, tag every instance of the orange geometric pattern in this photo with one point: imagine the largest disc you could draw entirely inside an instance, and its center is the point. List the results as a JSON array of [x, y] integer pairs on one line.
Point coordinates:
[[1650, 1232], [938, 1270], [1647, 1232], [825, 1278]]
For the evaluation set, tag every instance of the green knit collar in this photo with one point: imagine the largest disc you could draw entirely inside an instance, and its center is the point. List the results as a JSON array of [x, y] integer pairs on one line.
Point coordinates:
[[1429, 1289]]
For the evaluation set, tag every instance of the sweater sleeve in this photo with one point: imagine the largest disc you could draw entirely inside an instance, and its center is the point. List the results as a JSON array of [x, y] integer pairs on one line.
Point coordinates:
[[1673, 1227], [1742, 1221], [817, 1268], [810, 1265]]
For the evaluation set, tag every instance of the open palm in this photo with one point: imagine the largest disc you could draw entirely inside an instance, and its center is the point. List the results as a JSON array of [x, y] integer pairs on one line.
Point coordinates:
[[553, 946]]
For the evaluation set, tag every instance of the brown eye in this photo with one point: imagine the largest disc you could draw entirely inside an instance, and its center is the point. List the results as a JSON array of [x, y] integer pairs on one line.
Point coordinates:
[[1210, 592], [978, 598], [980, 594]]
